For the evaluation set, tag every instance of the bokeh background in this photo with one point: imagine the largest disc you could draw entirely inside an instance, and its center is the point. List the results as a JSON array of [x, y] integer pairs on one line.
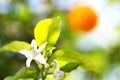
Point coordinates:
[[100, 43]]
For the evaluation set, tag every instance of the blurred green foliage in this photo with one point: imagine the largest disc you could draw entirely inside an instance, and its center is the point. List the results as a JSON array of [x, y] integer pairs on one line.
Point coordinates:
[[18, 24]]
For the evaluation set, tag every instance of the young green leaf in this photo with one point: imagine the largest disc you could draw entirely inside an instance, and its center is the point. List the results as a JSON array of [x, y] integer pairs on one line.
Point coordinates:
[[26, 73], [15, 46], [47, 30], [70, 60]]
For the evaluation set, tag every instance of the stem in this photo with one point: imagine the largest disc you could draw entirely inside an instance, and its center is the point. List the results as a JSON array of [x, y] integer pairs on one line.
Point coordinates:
[[41, 71], [43, 74]]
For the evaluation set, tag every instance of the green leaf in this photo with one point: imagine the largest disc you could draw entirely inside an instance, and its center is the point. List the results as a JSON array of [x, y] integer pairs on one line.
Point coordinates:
[[26, 73], [15, 46], [47, 30], [70, 60], [70, 66]]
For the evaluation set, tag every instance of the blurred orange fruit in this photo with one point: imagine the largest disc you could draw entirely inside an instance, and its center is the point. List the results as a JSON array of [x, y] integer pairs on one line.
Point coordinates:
[[82, 18]]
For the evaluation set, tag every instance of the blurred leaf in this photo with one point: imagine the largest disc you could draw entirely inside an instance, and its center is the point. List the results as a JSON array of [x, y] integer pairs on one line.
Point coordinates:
[[49, 79], [26, 73], [113, 1], [47, 30], [74, 75], [118, 28], [9, 78], [70, 60], [15, 46], [22, 11], [114, 53], [99, 57]]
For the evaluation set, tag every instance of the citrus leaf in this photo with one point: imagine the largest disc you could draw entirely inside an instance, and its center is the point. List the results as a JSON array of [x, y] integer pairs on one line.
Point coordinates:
[[70, 60], [26, 73], [47, 30], [15, 46]]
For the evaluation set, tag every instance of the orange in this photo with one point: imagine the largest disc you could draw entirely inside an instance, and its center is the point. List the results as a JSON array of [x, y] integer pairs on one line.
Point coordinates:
[[82, 18]]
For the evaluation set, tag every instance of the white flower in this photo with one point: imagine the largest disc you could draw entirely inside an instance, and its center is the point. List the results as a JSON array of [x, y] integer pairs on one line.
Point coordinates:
[[57, 73], [34, 53]]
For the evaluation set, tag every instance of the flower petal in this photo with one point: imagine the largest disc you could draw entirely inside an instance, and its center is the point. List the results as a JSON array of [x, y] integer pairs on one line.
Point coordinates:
[[61, 74], [28, 61], [26, 53], [57, 66], [52, 50], [40, 58], [58, 74], [33, 44], [42, 47]]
